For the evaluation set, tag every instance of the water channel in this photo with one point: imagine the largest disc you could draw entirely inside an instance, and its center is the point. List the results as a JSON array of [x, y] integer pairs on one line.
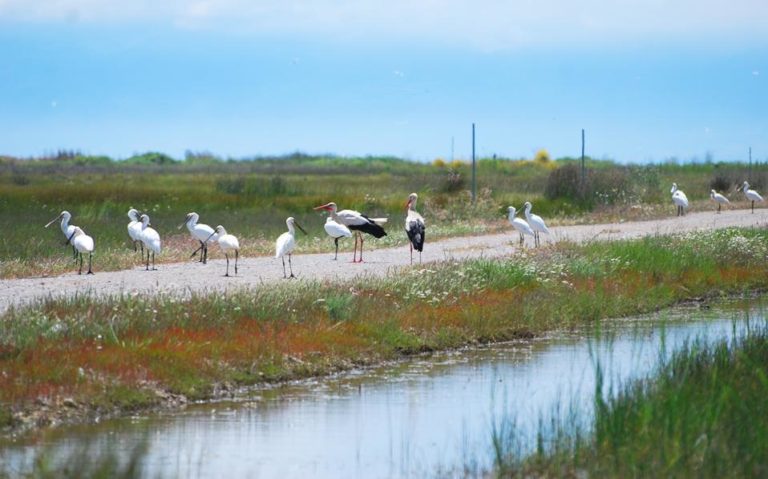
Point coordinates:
[[427, 416]]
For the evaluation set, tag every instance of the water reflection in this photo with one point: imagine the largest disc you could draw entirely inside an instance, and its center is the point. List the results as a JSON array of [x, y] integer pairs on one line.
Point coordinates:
[[415, 419]]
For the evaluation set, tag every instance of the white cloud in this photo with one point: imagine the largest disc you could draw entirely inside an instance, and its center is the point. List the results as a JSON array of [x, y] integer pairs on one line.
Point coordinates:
[[492, 24]]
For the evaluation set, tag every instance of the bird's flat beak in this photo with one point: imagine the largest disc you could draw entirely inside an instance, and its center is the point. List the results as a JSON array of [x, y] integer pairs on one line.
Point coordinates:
[[52, 221], [322, 207], [185, 222], [299, 227], [209, 237]]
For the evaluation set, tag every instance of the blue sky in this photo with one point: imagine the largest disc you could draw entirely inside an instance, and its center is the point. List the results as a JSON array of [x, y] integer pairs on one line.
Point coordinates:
[[648, 80]]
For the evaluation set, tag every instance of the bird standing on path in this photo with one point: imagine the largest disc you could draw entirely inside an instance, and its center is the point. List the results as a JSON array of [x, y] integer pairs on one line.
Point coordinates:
[[719, 199], [536, 223], [151, 240], [285, 244], [66, 228], [201, 232], [414, 226], [751, 195], [679, 199], [134, 230], [82, 244], [336, 231], [520, 225], [357, 222], [227, 243]]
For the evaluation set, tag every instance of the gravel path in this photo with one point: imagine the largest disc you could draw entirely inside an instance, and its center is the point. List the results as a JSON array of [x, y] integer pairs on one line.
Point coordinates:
[[184, 278]]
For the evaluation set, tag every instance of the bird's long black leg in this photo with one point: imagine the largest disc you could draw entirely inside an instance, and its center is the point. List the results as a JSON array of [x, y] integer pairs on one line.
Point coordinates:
[[361, 247], [290, 266], [237, 254], [80, 271], [227, 256], [335, 256], [411, 246], [90, 263]]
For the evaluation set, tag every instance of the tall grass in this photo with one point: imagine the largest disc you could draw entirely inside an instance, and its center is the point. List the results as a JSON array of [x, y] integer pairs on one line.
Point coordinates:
[[700, 414], [118, 353], [252, 198]]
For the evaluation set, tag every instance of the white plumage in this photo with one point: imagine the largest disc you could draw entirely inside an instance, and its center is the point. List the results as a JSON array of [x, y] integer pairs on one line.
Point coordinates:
[[201, 232], [679, 199], [134, 229], [151, 240], [719, 199], [66, 228], [357, 222], [519, 224], [285, 244], [336, 230], [82, 244], [751, 195], [227, 243], [415, 227], [536, 223]]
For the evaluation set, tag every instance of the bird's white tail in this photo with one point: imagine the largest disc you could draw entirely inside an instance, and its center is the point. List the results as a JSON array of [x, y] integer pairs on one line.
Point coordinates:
[[379, 221]]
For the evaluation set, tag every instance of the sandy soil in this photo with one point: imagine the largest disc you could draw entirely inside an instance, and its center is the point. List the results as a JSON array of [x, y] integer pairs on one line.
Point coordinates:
[[183, 278]]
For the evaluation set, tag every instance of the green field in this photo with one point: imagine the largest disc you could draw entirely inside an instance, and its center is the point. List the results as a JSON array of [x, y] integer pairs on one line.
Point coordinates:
[[252, 198]]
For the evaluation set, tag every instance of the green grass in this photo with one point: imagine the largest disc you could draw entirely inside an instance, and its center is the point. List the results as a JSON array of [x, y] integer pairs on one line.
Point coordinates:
[[252, 198], [83, 347], [701, 414]]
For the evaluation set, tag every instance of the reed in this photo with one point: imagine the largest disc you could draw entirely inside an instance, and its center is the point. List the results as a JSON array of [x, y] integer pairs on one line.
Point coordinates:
[[126, 352]]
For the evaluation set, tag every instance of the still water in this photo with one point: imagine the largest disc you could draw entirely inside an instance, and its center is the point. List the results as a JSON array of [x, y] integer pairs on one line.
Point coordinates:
[[424, 417]]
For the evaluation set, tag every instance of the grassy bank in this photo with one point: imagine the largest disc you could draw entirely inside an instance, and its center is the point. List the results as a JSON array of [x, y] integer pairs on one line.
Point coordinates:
[[83, 356], [253, 197], [702, 414]]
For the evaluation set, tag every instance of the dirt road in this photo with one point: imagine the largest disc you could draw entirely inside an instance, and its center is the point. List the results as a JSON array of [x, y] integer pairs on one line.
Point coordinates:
[[183, 278]]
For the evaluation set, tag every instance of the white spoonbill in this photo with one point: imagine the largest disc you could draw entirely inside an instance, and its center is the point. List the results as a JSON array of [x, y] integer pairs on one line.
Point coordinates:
[[66, 228], [357, 222], [751, 194], [227, 243], [336, 231], [536, 223], [286, 242], [414, 226], [83, 244], [151, 240], [719, 199], [520, 224], [679, 199], [201, 232], [134, 230]]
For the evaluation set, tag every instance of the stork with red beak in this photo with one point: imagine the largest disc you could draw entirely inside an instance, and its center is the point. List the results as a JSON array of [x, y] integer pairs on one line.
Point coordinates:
[[357, 222]]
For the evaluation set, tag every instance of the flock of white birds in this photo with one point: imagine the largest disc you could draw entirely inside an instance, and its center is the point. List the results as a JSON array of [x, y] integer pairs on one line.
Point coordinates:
[[339, 224]]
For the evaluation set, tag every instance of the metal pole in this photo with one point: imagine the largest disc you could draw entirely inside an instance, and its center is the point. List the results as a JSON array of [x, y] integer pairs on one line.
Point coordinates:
[[474, 168], [583, 166]]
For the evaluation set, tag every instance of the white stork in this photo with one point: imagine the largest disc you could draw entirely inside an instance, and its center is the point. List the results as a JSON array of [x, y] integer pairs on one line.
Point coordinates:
[[414, 226], [357, 222]]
